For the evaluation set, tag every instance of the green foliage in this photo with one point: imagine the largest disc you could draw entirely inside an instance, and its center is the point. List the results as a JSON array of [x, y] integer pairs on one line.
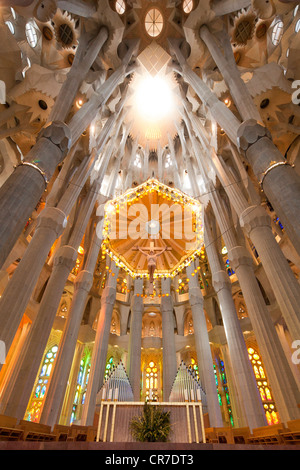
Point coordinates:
[[152, 426]]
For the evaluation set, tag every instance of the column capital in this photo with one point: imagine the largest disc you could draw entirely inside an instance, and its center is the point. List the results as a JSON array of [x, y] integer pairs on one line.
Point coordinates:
[[66, 255], [166, 304], [137, 303], [59, 134], [220, 281], [239, 256], [249, 132], [108, 295], [195, 296], [52, 218], [254, 217], [84, 280]]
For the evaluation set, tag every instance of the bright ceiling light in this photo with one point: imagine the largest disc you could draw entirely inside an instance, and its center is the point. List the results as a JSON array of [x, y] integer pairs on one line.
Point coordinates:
[[154, 98]]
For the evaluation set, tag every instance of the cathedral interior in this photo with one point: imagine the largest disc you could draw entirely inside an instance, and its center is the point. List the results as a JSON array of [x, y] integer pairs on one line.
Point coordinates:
[[150, 214]]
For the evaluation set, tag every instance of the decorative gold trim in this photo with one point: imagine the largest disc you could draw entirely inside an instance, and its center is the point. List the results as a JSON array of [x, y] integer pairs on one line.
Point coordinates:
[[36, 168], [271, 168]]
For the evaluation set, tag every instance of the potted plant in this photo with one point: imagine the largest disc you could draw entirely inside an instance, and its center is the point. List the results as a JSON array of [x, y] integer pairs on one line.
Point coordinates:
[[152, 426]]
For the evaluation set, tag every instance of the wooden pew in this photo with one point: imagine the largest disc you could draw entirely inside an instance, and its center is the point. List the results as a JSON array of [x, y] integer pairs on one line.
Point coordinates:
[[35, 431], [61, 432], [219, 435], [8, 430], [267, 434], [78, 433], [292, 434], [240, 435]]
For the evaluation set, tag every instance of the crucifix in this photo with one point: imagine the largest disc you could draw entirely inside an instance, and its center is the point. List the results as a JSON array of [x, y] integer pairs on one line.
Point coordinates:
[[152, 253]]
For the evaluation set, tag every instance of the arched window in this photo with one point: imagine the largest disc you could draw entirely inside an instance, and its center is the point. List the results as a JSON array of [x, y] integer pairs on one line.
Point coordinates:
[[222, 389], [81, 386], [151, 381], [263, 387], [31, 34], [35, 405]]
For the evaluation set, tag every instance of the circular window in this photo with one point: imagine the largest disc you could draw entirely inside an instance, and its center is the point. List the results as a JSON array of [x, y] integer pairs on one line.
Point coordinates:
[[261, 30], [43, 105], [120, 7], [264, 103], [31, 35], [154, 22], [187, 6], [10, 26], [277, 33], [71, 58], [47, 33], [65, 34]]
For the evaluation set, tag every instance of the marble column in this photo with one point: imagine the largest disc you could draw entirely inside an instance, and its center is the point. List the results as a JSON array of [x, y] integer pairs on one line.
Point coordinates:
[[135, 340], [221, 52], [22, 190], [242, 368], [203, 350], [99, 355], [256, 224], [86, 54], [54, 396], [168, 338], [282, 382], [279, 181], [15, 404]]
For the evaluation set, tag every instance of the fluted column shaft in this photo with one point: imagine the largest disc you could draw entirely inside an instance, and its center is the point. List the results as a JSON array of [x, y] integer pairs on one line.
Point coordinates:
[[278, 179], [257, 226], [205, 361], [242, 368], [98, 361], [64, 261], [54, 397], [135, 340], [168, 339]]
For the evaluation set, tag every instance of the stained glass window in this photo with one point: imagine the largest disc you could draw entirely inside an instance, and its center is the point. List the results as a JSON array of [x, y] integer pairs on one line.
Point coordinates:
[[35, 406], [151, 381], [222, 387], [154, 22], [81, 386], [263, 387]]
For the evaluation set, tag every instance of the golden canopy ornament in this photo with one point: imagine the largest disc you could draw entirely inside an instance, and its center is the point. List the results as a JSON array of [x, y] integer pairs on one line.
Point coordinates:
[[152, 218]]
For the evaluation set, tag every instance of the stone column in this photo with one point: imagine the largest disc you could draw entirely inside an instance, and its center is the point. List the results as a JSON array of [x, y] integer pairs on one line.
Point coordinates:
[[281, 379], [257, 226], [223, 56], [237, 408], [279, 181], [86, 54], [203, 350], [64, 261], [168, 338], [54, 396], [24, 187], [283, 385], [135, 340], [242, 368], [99, 354]]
